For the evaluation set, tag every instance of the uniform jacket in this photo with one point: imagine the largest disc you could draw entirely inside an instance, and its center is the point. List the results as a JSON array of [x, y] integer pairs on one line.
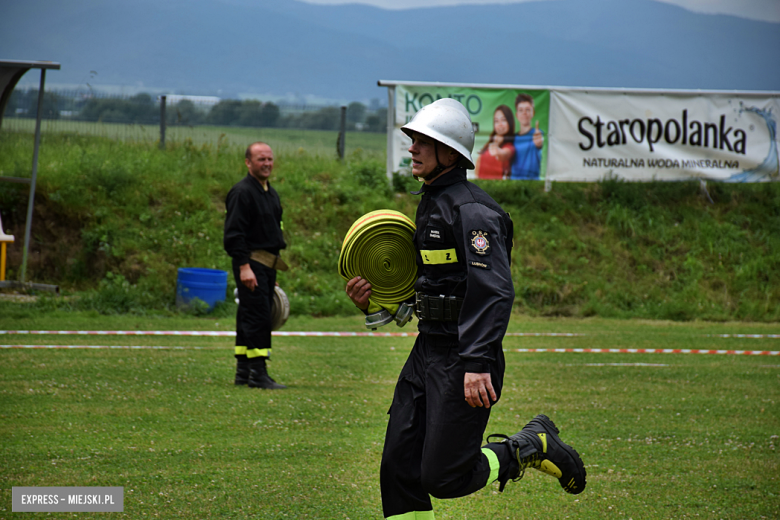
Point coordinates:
[[464, 241], [253, 220]]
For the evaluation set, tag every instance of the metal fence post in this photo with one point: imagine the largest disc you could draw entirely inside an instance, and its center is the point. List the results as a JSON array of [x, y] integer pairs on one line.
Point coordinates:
[[162, 122], [31, 202], [390, 131], [342, 132]]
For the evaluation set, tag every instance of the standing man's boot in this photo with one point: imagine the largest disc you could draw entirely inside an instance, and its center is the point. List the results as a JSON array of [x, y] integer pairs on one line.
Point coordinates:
[[259, 378], [242, 370]]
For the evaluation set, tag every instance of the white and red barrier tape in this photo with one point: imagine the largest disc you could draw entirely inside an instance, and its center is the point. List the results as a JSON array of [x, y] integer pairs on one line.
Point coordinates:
[[223, 333], [750, 336], [519, 350], [227, 333], [646, 351], [374, 334], [101, 347]]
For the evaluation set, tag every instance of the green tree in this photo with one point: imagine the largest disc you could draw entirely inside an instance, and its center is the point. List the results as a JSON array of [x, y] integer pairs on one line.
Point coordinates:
[[377, 122], [270, 115], [27, 101], [356, 112], [225, 113], [250, 113], [184, 113], [327, 118], [258, 114], [139, 109]]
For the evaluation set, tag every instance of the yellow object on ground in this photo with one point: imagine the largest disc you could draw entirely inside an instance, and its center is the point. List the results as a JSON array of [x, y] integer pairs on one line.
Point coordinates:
[[4, 239]]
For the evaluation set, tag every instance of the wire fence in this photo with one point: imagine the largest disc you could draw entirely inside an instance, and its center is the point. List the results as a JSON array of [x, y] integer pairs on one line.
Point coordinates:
[[201, 119]]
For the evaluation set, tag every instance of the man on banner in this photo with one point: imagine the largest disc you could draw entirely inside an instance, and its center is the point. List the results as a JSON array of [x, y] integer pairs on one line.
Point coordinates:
[[527, 162]]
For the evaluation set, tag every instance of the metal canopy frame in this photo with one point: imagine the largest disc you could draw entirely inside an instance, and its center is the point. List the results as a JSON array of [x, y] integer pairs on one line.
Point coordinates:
[[11, 72]]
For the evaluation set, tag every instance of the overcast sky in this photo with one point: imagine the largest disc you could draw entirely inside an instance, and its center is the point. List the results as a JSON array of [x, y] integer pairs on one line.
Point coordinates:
[[765, 10]]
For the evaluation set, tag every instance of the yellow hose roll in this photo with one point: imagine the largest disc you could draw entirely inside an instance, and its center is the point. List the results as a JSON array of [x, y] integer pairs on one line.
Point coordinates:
[[379, 247]]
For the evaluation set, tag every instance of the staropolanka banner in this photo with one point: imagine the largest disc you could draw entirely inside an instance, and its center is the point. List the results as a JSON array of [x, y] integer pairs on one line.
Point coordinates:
[[580, 135], [665, 137]]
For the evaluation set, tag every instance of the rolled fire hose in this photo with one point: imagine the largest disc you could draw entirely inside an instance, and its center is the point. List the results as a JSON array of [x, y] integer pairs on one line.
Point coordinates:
[[379, 247], [280, 310]]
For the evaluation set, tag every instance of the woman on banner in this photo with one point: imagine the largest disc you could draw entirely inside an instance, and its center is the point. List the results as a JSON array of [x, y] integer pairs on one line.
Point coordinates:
[[495, 158]]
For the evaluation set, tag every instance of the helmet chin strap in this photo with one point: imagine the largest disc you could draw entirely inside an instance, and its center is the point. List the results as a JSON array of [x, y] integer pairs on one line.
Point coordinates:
[[439, 166]]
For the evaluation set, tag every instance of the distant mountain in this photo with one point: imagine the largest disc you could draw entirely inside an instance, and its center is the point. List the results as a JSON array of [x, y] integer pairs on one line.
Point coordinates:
[[229, 47]]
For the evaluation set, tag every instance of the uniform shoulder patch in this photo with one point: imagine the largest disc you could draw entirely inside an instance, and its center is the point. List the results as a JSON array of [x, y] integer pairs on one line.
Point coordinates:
[[479, 242]]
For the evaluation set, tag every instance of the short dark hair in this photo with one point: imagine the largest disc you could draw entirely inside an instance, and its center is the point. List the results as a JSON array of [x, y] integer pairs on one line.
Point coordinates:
[[523, 98], [248, 153]]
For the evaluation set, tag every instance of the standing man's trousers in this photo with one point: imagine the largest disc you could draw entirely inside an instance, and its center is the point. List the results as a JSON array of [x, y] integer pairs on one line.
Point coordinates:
[[433, 440], [254, 316]]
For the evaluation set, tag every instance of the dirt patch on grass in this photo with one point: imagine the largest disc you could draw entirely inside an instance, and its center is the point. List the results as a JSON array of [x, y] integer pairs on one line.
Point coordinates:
[[56, 245], [18, 298]]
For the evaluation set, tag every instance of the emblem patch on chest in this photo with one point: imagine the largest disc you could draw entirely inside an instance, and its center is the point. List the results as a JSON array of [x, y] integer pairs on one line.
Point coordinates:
[[479, 242]]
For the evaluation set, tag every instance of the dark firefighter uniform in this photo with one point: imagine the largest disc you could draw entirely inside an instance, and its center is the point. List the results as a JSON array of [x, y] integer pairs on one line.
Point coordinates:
[[464, 300], [253, 222]]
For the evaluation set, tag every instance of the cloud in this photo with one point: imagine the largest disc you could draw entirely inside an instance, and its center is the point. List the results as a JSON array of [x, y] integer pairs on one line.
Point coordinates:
[[413, 4], [763, 10]]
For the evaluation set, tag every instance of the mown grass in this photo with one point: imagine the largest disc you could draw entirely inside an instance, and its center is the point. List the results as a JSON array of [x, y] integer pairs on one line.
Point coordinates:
[[662, 436], [115, 220]]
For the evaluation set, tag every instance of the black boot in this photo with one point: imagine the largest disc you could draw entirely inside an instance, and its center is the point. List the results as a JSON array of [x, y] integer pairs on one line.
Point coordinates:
[[538, 446], [259, 378], [242, 370]]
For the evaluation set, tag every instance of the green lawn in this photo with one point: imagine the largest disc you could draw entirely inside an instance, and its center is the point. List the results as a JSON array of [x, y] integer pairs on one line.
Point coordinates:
[[662, 435]]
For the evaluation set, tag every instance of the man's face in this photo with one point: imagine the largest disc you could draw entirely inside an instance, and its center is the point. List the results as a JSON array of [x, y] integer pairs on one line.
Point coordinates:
[[260, 162], [525, 112], [423, 154]]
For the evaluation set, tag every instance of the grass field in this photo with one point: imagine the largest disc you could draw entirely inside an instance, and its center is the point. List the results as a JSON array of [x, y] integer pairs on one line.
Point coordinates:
[[283, 140], [662, 435]]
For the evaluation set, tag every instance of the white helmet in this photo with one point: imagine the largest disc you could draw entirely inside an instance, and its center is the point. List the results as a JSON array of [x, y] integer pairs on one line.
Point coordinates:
[[447, 121]]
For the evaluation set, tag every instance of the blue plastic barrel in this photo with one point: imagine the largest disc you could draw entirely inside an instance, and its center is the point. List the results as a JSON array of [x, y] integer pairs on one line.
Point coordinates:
[[207, 285]]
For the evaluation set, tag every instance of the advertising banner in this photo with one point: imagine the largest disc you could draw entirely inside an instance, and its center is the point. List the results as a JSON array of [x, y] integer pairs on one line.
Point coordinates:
[[511, 128], [586, 135], [664, 137]]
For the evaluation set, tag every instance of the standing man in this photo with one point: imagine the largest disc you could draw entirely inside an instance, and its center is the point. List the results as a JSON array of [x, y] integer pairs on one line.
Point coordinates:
[[455, 371], [527, 162], [253, 239]]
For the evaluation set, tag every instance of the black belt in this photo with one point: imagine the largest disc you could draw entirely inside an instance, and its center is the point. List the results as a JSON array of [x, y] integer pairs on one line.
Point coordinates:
[[437, 308]]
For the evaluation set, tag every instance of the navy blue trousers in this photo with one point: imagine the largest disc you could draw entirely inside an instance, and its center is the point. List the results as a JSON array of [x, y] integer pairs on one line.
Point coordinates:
[[434, 438], [254, 316]]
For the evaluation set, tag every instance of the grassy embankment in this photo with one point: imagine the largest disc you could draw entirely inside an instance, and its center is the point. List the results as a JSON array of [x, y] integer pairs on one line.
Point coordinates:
[[115, 220]]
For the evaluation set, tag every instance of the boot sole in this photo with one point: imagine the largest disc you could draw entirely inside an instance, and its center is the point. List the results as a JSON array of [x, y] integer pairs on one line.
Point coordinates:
[[273, 385], [573, 485]]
